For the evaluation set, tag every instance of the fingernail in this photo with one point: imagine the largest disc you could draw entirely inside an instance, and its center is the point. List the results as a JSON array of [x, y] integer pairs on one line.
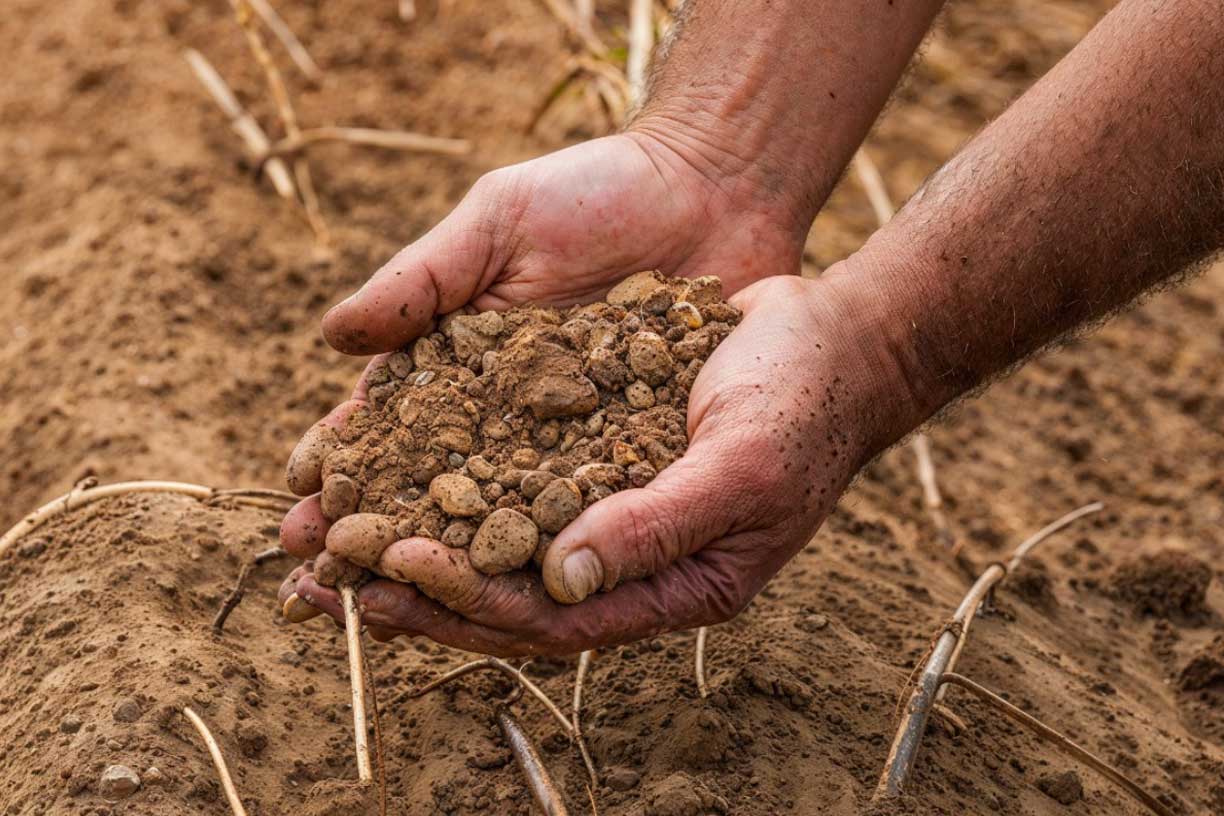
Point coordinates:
[[298, 610], [582, 573]]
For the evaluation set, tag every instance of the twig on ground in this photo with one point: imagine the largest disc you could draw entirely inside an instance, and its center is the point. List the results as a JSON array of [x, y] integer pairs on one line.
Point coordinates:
[[584, 34], [352, 634], [942, 657], [236, 594], [1062, 742], [881, 203], [528, 759], [286, 497], [494, 664], [699, 662], [242, 123], [641, 45], [227, 783], [297, 52], [584, 665], [288, 116]]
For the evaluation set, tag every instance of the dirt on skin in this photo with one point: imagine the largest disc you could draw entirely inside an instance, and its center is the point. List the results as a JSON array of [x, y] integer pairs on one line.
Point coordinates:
[[497, 430], [160, 319]]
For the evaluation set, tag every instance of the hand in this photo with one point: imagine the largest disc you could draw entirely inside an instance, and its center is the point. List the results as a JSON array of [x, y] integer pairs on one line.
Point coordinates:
[[781, 418], [564, 229]]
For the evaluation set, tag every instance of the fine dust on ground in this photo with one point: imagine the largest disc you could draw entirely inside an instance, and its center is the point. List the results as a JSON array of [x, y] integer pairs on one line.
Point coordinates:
[[161, 321]]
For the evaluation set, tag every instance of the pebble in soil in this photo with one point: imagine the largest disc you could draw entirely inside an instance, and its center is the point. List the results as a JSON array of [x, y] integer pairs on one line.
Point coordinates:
[[497, 430]]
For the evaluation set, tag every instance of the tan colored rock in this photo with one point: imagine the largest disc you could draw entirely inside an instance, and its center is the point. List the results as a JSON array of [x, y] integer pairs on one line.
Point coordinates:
[[649, 358], [685, 314], [457, 495], [635, 288], [453, 439], [480, 468], [458, 534], [703, 291], [639, 395], [534, 483], [505, 541], [552, 396], [558, 504]]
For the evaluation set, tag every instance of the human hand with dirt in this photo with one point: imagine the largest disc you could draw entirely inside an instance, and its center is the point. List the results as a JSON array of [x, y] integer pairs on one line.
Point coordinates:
[[782, 416]]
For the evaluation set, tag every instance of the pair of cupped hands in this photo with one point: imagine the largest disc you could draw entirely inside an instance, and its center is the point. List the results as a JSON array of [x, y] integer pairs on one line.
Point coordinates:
[[779, 420]]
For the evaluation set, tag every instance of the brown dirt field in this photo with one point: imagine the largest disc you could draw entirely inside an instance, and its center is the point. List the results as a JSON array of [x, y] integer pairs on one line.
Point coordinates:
[[160, 318]]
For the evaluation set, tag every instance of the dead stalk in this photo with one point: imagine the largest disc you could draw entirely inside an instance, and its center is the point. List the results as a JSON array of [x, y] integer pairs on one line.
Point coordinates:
[[495, 664], [297, 52], [584, 665], [227, 783], [584, 34], [284, 107], [378, 740], [641, 44], [942, 656], [881, 203], [1060, 741], [528, 759], [352, 634], [370, 137], [242, 123], [699, 662]]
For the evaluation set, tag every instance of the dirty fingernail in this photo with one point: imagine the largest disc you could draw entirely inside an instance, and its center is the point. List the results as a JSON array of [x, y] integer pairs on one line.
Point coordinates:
[[297, 610], [582, 573]]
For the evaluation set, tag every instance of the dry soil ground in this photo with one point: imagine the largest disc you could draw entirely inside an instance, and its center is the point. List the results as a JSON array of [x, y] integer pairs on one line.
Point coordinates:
[[160, 317]]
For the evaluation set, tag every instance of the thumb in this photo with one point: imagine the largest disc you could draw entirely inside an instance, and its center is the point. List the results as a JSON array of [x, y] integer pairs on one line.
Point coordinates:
[[436, 274], [633, 534]]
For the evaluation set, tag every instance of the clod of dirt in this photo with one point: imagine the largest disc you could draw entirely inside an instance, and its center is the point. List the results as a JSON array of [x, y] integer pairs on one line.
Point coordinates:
[[622, 779], [1205, 669], [499, 429], [1169, 583], [127, 710], [118, 782], [683, 795], [1064, 788]]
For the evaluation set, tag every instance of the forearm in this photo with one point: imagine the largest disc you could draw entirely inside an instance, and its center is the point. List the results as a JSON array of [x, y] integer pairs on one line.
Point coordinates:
[[1104, 180], [772, 97]]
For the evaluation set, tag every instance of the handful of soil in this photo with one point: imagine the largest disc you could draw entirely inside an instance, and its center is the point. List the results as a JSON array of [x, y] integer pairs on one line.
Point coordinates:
[[496, 431]]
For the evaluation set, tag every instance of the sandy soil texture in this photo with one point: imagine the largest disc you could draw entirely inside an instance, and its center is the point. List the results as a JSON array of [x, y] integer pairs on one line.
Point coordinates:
[[160, 312]]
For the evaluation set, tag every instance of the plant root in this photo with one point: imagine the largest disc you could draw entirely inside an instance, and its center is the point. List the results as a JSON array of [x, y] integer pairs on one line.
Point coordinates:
[[699, 662], [352, 634], [227, 783], [369, 137], [242, 123], [942, 656], [496, 664], [1059, 740], [641, 45], [235, 596]]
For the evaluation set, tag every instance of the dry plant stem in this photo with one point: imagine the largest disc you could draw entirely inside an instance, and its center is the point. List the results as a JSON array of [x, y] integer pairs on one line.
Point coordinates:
[[256, 493], [227, 783], [297, 52], [583, 34], [352, 634], [284, 107], [236, 594], [241, 122], [1063, 743], [942, 657], [699, 662], [641, 44], [370, 137], [881, 203], [79, 498], [584, 665], [528, 759], [494, 664], [378, 740]]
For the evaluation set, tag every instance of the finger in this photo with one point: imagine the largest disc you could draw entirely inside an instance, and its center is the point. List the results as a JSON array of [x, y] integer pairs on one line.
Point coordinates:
[[304, 472], [289, 585], [436, 274], [636, 533], [303, 530]]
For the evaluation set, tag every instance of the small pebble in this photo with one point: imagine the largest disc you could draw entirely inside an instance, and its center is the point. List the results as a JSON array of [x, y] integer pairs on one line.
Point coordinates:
[[505, 541], [118, 782], [127, 710], [458, 534], [557, 505], [400, 365], [457, 495], [650, 358], [534, 482], [70, 724], [639, 395], [424, 378], [480, 468], [525, 458]]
